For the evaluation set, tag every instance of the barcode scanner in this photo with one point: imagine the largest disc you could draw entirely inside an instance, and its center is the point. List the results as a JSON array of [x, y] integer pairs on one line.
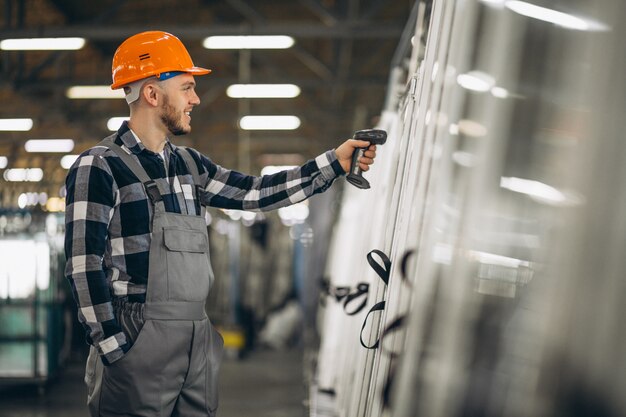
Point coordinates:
[[374, 137]]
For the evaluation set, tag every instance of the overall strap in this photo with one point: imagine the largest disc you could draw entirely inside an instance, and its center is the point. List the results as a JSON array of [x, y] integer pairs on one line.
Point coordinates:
[[193, 169], [151, 187], [191, 164]]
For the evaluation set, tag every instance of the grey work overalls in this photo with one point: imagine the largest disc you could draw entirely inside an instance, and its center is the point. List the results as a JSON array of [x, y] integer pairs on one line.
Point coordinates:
[[172, 366]]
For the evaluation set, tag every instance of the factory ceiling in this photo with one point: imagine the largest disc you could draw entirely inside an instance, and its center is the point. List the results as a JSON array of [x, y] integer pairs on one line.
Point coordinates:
[[340, 60]]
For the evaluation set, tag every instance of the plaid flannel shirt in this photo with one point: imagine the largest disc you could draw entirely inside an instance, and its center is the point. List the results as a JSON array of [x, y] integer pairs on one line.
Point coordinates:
[[108, 218]]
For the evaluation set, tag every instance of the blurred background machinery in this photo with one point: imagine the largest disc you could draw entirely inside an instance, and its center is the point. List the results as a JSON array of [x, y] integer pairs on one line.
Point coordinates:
[[36, 322]]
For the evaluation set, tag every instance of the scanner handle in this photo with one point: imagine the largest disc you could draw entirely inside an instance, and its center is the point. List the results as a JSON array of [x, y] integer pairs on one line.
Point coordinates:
[[374, 137]]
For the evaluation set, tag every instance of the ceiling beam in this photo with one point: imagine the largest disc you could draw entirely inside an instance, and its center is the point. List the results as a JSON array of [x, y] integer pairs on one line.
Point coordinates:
[[344, 58], [310, 61], [356, 29], [247, 11], [325, 15]]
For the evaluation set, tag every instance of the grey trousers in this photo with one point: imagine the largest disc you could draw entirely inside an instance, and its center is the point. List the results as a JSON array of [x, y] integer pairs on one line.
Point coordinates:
[[171, 370]]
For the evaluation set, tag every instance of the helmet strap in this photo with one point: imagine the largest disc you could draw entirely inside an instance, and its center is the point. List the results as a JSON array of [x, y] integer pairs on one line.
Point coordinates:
[[133, 89]]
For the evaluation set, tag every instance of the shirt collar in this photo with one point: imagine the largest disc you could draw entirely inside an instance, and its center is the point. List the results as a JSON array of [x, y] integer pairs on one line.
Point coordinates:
[[134, 144]]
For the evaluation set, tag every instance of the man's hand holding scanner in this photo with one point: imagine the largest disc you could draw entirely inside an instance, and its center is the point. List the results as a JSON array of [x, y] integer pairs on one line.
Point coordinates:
[[345, 150], [363, 148]]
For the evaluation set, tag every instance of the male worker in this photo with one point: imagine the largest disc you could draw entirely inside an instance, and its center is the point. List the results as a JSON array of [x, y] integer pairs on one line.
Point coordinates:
[[136, 239]]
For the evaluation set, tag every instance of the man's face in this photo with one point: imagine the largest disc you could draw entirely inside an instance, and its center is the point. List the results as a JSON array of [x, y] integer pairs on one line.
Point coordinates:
[[179, 99]]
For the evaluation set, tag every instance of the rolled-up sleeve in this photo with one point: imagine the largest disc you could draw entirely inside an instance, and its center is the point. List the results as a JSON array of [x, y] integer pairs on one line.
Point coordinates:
[[90, 201]]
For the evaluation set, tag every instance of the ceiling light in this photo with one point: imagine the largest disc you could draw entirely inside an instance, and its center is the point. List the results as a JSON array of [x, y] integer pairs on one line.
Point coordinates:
[[434, 72], [494, 259], [499, 92], [263, 91], [114, 123], [55, 204], [42, 44], [494, 3], [454, 129], [472, 128], [532, 188], [464, 158], [4, 161], [23, 174], [93, 91], [49, 145], [248, 42], [294, 214], [548, 15], [476, 81], [68, 160], [16, 125], [269, 122], [274, 169]]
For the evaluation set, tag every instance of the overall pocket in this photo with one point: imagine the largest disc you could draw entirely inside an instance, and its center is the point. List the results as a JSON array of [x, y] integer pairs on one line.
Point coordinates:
[[129, 384], [188, 266]]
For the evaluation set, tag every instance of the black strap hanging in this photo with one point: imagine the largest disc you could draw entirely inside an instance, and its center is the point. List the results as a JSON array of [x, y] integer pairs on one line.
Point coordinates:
[[383, 272], [362, 290]]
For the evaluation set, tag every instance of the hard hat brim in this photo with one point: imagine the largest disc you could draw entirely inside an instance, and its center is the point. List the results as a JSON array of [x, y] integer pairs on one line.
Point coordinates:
[[192, 70]]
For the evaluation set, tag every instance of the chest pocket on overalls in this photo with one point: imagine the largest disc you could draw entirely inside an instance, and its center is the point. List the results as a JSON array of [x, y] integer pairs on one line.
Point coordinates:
[[187, 264]]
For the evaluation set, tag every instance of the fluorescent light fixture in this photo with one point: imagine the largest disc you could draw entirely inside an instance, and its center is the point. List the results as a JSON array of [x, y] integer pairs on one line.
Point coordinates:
[[55, 204], [552, 16], [499, 92], [42, 44], [442, 253], [453, 129], [433, 75], [476, 81], [32, 199], [68, 160], [93, 91], [49, 145], [269, 122], [472, 128], [263, 91], [233, 214], [533, 188], [494, 3], [4, 161], [16, 125], [273, 169], [464, 158], [22, 201], [23, 174], [294, 214], [499, 260], [114, 123], [248, 42]]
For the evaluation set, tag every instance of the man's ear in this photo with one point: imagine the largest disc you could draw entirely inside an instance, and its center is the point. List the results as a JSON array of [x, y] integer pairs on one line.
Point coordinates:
[[151, 93]]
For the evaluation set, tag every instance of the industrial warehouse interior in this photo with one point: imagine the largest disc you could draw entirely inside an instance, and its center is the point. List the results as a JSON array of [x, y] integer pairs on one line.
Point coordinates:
[[474, 269]]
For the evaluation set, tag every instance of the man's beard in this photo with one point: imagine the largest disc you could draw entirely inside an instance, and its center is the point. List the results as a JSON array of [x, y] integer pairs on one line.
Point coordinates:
[[171, 119]]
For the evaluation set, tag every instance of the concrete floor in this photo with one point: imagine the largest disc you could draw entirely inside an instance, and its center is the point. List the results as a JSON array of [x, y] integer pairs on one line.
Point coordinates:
[[264, 384]]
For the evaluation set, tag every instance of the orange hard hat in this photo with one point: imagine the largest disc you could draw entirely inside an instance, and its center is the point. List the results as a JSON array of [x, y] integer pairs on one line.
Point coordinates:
[[148, 54]]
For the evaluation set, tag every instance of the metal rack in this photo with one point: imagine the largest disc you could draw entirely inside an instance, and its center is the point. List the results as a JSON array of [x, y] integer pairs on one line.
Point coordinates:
[[35, 323]]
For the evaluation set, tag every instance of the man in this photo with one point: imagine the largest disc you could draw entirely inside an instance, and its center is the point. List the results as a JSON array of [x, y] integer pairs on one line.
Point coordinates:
[[136, 239]]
